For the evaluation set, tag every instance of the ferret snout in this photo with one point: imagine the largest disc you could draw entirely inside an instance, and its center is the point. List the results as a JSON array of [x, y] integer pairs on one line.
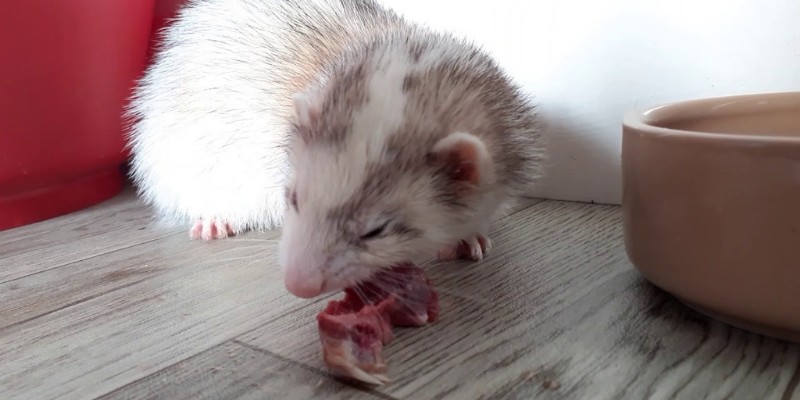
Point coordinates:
[[303, 281], [302, 273], [304, 259]]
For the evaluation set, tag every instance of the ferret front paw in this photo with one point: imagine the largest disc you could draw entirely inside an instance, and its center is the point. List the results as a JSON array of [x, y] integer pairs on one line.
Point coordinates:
[[473, 248], [210, 229]]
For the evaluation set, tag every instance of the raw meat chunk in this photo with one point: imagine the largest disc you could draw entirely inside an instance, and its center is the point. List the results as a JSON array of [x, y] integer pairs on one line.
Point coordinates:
[[354, 330]]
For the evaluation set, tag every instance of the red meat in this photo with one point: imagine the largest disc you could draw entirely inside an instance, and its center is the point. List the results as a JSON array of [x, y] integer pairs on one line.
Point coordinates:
[[354, 330]]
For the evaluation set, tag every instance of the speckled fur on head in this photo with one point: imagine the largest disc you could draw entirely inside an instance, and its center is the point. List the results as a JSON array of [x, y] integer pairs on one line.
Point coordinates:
[[377, 117]]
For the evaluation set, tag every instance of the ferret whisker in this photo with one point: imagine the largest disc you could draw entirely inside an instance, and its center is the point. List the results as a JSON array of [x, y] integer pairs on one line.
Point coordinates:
[[361, 295], [245, 258], [249, 264], [239, 248], [392, 279], [388, 282], [257, 240], [388, 286], [463, 295]]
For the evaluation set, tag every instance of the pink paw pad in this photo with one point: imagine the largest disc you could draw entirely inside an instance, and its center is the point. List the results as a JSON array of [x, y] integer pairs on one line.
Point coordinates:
[[474, 248], [210, 229]]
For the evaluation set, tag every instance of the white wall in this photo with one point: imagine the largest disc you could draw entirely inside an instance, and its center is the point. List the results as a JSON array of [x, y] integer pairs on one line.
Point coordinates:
[[589, 61]]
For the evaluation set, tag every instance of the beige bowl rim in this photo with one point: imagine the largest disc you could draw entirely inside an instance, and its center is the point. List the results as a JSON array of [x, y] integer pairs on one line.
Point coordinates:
[[642, 120]]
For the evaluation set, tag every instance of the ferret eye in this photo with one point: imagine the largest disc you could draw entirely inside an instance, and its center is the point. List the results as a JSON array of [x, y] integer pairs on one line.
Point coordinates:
[[375, 232]]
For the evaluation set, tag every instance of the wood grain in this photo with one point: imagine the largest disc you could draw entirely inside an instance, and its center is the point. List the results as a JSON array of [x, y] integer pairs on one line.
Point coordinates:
[[112, 225], [557, 312], [103, 342], [98, 274], [231, 371], [91, 326]]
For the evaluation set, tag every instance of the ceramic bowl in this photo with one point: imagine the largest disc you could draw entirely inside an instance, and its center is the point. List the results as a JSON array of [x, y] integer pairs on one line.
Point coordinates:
[[711, 204]]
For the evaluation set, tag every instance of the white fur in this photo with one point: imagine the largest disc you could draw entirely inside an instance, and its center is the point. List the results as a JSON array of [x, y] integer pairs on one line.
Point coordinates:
[[211, 122], [305, 108], [316, 251], [383, 114], [372, 125], [210, 116], [314, 248]]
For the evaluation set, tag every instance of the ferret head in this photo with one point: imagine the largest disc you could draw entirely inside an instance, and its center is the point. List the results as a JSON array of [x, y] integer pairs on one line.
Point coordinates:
[[371, 188]]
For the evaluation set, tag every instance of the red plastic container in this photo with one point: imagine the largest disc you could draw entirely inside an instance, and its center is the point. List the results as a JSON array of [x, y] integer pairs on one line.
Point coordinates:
[[66, 71]]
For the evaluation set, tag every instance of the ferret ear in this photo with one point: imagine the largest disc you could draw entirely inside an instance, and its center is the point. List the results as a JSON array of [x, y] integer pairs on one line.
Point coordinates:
[[463, 158], [307, 107]]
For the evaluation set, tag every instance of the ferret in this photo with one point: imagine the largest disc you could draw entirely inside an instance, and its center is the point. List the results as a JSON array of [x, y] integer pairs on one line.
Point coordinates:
[[370, 140]]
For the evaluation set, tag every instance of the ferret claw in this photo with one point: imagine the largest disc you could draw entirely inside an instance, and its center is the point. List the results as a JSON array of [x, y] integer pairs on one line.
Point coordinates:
[[210, 229], [474, 248]]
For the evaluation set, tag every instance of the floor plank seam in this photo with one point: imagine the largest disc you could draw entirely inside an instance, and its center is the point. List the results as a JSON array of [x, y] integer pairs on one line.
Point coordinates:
[[322, 300], [316, 371], [160, 370], [590, 202]]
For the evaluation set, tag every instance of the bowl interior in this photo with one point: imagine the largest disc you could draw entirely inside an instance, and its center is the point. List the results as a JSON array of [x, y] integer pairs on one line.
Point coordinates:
[[766, 115]]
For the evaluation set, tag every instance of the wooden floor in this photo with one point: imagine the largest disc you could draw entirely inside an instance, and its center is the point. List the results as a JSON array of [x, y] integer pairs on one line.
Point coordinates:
[[100, 304]]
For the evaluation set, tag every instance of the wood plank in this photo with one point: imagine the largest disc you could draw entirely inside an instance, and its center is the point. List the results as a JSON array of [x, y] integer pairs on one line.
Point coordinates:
[[556, 311], [120, 222], [117, 317], [86, 282], [39, 293], [231, 371], [112, 225], [605, 345]]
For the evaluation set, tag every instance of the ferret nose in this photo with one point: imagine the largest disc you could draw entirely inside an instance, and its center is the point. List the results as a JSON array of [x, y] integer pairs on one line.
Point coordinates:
[[303, 282]]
